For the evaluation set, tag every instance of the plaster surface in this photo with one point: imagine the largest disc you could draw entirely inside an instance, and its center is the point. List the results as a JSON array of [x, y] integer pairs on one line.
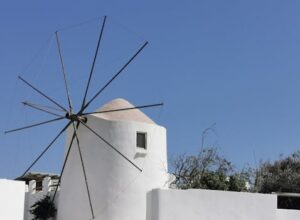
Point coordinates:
[[118, 189], [285, 214], [32, 196], [12, 199], [212, 205]]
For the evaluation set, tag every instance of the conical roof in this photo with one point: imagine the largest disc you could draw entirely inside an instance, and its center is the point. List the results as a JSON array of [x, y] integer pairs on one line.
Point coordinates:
[[126, 115]]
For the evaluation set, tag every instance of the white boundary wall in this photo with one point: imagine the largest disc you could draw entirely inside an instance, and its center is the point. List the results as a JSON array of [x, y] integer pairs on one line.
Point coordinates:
[[284, 214], [12, 199], [195, 204]]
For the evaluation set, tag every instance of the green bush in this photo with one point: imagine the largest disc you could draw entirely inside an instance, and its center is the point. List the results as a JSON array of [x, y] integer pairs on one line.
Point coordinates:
[[43, 209]]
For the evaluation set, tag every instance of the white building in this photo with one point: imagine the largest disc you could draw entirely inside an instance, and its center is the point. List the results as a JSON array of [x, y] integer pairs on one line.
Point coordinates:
[[38, 185], [120, 191], [12, 198]]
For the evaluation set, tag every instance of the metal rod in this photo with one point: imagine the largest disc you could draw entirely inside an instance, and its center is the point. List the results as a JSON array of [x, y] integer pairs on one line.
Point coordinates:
[[114, 77], [94, 62], [114, 148], [63, 71], [64, 165], [83, 169], [40, 109], [46, 149], [34, 125], [43, 94], [124, 109], [48, 107]]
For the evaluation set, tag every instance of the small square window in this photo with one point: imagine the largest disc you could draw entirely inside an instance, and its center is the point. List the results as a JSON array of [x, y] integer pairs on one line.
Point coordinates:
[[141, 140]]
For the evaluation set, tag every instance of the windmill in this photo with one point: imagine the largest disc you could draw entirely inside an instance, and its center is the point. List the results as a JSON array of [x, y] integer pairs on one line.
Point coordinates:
[[76, 119]]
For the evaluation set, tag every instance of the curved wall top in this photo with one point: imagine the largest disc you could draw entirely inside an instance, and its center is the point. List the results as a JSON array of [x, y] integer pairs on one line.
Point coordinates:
[[118, 190]]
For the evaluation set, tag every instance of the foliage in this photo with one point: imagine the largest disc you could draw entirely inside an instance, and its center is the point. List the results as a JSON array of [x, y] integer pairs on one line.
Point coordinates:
[[208, 170], [43, 209], [282, 175]]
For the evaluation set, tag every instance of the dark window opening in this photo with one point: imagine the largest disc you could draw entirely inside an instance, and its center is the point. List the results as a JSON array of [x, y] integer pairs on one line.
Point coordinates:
[[39, 185], [141, 140], [288, 202]]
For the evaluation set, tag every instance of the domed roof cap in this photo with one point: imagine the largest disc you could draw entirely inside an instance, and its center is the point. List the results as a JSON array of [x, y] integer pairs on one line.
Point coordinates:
[[126, 115]]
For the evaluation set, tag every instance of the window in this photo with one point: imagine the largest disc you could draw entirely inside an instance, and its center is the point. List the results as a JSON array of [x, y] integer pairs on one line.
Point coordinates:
[[141, 140], [39, 185], [288, 202], [53, 184]]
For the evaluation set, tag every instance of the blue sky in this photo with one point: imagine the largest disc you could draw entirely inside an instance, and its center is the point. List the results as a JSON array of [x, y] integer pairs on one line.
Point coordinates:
[[233, 63]]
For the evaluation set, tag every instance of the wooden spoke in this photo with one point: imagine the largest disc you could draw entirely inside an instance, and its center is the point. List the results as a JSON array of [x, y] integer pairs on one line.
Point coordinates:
[[46, 149], [63, 71], [34, 125], [83, 168], [110, 145], [43, 94], [94, 62], [114, 77], [31, 105], [123, 109]]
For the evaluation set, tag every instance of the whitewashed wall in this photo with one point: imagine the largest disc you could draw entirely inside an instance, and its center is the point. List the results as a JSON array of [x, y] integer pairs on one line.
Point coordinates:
[[32, 196], [12, 199], [215, 205], [118, 190], [284, 214]]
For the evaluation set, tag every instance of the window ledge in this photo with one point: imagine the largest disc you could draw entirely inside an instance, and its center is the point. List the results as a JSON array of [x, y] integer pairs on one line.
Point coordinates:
[[140, 152]]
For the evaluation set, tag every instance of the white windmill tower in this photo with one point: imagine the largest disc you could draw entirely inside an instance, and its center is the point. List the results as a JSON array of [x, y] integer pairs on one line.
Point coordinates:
[[118, 190], [114, 156]]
